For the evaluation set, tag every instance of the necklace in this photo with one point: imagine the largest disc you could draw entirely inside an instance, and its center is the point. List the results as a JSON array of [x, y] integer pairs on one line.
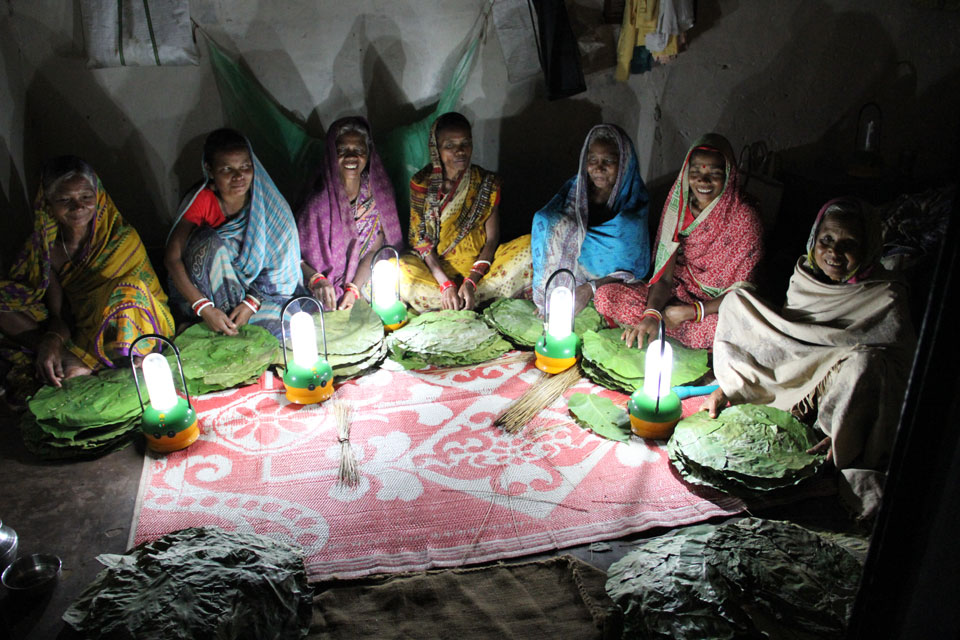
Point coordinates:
[[64, 245]]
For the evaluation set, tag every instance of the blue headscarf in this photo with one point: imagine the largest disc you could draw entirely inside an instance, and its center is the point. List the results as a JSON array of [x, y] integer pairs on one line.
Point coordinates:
[[562, 236]]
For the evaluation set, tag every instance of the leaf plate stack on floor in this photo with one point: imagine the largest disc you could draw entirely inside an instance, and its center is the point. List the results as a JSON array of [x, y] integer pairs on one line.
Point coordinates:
[[197, 583], [609, 362], [445, 338], [89, 416], [746, 448], [213, 362], [747, 579], [517, 320], [355, 340]]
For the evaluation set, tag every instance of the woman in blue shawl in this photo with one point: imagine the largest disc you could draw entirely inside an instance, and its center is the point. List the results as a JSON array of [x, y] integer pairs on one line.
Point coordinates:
[[233, 254], [596, 225]]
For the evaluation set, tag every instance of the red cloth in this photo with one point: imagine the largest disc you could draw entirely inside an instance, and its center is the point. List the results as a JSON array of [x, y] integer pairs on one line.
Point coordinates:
[[719, 252], [205, 210], [626, 303]]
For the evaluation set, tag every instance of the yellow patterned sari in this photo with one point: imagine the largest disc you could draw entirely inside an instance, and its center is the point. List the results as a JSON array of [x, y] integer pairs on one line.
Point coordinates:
[[454, 224], [111, 289]]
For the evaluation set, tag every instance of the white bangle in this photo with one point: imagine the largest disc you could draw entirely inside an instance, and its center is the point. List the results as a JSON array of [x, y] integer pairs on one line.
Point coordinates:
[[249, 306], [206, 304], [593, 286]]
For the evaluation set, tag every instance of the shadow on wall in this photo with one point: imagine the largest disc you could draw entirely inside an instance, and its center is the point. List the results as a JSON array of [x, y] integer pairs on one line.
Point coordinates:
[[64, 108], [61, 124], [830, 66], [14, 208]]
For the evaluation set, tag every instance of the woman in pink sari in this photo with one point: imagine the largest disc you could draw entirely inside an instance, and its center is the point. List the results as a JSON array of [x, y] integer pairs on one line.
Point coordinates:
[[348, 217], [709, 243]]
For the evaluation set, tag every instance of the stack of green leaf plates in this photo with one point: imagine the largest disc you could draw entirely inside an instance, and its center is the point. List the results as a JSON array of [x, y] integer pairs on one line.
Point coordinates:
[[213, 361], [750, 578], [445, 338], [517, 320], [89, 416], [609, 362], [355, 340], [747, 448]]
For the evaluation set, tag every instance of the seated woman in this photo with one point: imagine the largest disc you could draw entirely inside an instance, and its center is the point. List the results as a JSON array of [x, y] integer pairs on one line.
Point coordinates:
[[841, 346], [709, 242], [455, 229], [82, 290], [596, 225], [348, 217], [233, 254]]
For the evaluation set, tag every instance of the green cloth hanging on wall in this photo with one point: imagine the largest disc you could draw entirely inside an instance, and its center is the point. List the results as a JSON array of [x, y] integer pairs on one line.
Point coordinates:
[[404, 149], [292, 156]]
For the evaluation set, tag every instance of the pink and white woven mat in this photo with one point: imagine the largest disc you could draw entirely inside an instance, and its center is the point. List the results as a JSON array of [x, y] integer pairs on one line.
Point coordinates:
[[440, 486]]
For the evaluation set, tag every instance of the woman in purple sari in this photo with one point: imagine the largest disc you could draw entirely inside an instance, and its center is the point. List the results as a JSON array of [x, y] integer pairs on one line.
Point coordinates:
[[349, 215]]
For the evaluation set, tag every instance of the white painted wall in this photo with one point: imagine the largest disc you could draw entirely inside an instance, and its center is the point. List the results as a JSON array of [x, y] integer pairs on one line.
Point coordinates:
[[791, 72]]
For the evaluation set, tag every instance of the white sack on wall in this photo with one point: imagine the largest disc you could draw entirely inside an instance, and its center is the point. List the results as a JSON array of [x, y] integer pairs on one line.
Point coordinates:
[[138, 33], [515, 31]]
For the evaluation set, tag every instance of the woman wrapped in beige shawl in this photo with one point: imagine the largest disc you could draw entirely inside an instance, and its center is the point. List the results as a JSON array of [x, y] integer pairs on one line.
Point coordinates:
[[841, 348]]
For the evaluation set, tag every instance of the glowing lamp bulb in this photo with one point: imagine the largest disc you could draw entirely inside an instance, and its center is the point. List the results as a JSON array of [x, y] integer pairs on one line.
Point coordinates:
[[385, 276], [159, 379], [560, 318], [303, 334], [658, 369]]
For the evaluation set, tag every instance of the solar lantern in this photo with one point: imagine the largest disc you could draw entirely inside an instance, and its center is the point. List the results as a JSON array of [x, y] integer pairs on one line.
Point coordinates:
[[309, 378], [170, 421], [559, 347], [655, 408], [385, 290]]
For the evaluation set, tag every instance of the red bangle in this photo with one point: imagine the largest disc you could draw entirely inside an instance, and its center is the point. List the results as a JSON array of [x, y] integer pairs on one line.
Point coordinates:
[[315, 278], [481, 267], [354, 288], [446, 285], [199, 310], [471, 282]]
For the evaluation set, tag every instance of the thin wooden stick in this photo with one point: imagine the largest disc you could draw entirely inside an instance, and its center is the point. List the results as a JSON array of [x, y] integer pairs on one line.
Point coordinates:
[[540, 395], [349, 473]]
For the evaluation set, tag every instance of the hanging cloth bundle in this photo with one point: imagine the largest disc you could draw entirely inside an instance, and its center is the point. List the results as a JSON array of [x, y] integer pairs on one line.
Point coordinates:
[[138, 33]]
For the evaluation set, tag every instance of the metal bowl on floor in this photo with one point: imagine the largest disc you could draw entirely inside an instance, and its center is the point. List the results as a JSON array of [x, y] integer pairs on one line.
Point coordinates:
[[8, 545], [32, 575]]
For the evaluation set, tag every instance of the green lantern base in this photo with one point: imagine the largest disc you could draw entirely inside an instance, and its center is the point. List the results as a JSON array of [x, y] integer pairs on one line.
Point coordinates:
[[648, 420], [308, 386], [170, 430], [555, 355], [394, 316]]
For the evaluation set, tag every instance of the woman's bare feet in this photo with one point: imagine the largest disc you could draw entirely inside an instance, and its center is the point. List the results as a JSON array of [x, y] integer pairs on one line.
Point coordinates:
[[73, 366], [715, 402]]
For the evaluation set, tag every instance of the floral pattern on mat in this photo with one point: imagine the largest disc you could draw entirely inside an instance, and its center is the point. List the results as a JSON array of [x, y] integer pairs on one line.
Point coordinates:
[[439, 485]]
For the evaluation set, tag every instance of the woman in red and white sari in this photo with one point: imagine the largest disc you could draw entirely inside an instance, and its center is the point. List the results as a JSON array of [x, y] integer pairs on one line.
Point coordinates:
[[709, 243]]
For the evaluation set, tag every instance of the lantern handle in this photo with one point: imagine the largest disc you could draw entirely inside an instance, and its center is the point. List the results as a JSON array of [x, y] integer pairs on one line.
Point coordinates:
[[283, 335], [546, 294], [662, 340], [176, 351], [373, 262]]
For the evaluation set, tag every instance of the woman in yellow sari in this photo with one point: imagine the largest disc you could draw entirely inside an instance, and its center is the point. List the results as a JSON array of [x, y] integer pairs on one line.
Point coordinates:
[[455, 229], [82, 290]]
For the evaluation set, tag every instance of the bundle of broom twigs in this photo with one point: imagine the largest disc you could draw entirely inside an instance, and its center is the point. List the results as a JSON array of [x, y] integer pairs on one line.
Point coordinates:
[[539, 396], [349, 472]]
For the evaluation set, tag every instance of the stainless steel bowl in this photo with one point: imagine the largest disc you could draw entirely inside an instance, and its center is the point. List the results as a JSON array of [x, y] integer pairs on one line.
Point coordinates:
[[32, 575], [8, 545]]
